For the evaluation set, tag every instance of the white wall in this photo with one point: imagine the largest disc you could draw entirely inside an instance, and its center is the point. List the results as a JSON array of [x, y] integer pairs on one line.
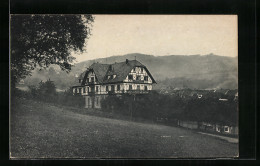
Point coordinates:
[[138, 72]]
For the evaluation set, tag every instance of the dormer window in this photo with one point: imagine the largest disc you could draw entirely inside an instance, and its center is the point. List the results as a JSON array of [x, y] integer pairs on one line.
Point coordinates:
[[146, 78], [108, 77], [92, 79], [114, 76]]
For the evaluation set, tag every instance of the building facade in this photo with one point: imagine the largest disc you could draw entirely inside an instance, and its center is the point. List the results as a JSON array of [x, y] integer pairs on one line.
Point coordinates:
[[101, 80]]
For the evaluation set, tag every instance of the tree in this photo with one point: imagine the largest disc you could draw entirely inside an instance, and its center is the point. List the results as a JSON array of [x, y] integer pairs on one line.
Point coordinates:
[[47, 88], [42, 40]]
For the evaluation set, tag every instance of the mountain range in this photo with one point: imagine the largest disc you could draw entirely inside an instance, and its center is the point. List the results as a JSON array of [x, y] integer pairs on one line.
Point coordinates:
[[174, 71]]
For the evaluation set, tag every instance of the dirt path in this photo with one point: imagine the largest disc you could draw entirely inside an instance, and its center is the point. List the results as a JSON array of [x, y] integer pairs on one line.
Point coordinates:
[[39, 130]]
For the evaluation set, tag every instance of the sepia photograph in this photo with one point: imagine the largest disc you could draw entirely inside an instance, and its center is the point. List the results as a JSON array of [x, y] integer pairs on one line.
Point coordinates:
[[88, 86]]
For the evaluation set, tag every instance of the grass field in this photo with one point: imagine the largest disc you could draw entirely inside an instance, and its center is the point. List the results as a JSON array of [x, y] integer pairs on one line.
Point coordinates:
[[41, 130]]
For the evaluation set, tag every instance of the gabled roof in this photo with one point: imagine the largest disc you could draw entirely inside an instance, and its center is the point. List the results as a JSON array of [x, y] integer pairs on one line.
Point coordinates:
[[121, 70]]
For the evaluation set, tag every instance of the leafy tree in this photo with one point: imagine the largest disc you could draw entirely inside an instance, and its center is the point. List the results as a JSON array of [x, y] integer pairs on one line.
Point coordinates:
[[47, 88], [42, 40]]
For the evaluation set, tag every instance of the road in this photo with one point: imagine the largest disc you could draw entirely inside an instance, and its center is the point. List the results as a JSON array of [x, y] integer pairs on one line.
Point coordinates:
[[40, 130]]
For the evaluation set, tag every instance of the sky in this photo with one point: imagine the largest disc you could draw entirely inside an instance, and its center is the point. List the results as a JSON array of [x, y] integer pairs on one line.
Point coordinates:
[[161, 35]]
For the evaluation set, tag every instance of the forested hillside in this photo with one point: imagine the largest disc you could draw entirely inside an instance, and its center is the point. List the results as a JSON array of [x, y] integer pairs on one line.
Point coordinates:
[[174, 71]]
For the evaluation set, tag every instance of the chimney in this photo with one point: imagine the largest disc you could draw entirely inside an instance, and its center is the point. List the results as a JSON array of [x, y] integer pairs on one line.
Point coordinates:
[[126, 61]]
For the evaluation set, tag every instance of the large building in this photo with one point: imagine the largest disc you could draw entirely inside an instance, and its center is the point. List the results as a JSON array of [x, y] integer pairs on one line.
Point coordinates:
[[101, 80]]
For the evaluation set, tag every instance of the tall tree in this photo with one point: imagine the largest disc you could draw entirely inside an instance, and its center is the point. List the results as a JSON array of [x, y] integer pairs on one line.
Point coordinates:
[[42, 40]]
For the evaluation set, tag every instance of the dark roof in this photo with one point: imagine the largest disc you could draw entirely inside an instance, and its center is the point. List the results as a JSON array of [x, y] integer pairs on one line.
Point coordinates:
[[100, 70], [121, 70]]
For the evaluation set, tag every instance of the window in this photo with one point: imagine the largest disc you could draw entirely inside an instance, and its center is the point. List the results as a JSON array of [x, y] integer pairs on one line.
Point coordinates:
[[92, 89], [130, 87], [108, 77], [146, 78], [112, 88], [107, 88], [130, 77], [79, 80], [145, 87], [118, 87], [80, 90], [92, 79], [96, 88], [114, 76], [134, 69], [84, 90], [138, 78], [138, 87], [88, 89], [226, 129], [142, 70]]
